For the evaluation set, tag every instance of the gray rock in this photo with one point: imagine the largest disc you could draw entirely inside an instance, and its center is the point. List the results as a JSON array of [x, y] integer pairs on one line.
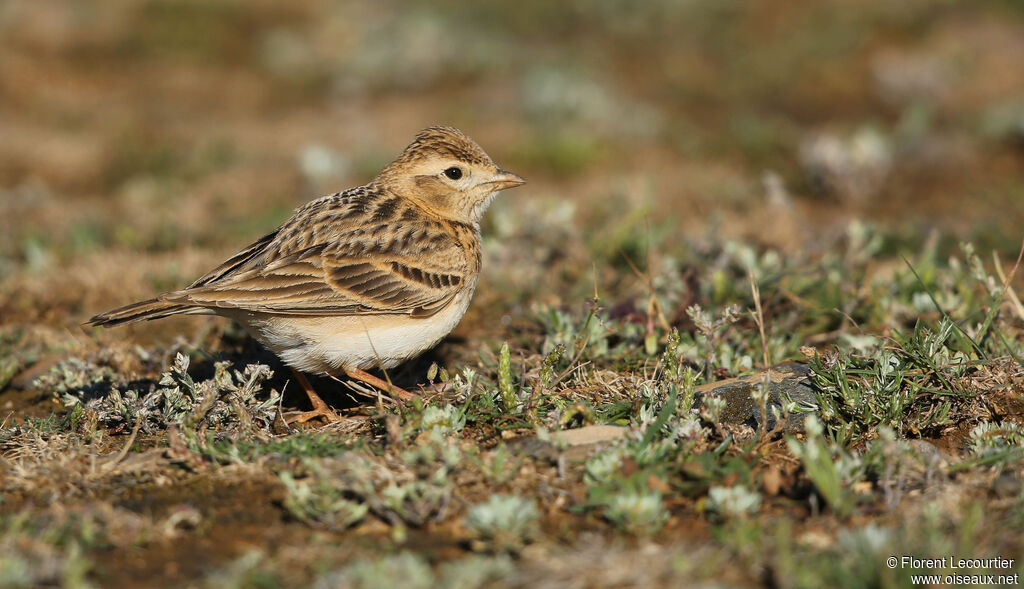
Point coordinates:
[[785, 382]]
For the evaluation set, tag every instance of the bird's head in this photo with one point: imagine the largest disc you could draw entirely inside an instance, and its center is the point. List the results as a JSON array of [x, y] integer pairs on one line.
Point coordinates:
[[448, 173]]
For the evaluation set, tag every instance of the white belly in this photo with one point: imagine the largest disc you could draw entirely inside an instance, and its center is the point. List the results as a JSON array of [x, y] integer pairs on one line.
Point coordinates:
[[328, 344]]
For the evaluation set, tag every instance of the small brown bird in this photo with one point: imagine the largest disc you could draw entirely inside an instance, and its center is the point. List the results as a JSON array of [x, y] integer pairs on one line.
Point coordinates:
[[365, 278]]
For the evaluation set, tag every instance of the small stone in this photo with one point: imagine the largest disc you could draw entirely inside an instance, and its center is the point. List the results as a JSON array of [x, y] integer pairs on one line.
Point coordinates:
[[1006, 485], [578, 443], [771, 480], [591, 434], [786, 383]]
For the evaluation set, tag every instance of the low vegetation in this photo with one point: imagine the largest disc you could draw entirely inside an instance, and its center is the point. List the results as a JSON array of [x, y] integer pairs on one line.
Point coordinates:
[[719, 194]]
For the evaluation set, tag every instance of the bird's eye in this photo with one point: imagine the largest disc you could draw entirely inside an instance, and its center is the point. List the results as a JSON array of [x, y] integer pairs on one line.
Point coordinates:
[[453, 172]]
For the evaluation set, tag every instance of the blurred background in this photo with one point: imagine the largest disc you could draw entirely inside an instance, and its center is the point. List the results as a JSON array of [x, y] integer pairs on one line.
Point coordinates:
[[142, 141]]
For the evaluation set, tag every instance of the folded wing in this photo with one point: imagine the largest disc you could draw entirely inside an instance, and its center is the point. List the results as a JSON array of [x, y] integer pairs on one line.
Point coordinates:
[[312, 282]]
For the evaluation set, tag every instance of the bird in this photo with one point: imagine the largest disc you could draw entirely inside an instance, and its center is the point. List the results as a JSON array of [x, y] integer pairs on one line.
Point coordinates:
[[365, 278]]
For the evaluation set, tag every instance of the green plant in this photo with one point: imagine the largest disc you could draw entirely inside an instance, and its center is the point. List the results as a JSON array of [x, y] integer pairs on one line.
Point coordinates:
[[505, 523]]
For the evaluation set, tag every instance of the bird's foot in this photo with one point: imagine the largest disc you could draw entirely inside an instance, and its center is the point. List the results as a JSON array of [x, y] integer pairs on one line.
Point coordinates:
[[320, 408], [303, 416], [383, 385]]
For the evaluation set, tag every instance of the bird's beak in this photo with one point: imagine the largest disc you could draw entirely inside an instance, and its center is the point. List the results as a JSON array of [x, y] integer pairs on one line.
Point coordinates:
[[502, 180]]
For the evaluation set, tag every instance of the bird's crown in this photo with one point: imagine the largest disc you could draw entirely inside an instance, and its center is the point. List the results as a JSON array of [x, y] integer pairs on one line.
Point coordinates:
[[445, 142]]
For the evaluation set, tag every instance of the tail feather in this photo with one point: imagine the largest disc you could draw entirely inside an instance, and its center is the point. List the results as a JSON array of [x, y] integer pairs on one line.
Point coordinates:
[[143, 311]]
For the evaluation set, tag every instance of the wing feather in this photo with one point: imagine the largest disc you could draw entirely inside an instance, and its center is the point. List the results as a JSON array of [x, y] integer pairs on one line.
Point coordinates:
[[357, 270]]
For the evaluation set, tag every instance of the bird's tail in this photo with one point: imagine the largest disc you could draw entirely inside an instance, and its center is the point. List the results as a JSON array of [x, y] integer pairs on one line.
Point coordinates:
[[142, 311]]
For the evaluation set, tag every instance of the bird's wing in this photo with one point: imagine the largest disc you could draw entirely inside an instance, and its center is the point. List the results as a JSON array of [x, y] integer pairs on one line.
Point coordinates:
[[362, 270]]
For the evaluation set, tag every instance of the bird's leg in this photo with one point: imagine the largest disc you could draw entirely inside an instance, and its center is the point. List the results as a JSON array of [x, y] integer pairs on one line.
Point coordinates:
[[373, 381], [320, 409]]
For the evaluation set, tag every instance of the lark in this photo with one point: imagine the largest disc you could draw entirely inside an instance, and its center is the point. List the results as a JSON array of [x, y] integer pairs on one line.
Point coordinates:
[[365, 278]]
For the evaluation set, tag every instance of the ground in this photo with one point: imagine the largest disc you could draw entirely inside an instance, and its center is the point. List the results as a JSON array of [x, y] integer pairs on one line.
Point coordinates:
[[713, 189]]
